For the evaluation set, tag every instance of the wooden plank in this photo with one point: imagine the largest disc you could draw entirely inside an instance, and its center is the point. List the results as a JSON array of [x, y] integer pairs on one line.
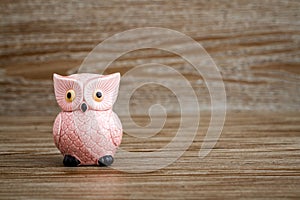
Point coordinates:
[[257, 156], [255, 45]]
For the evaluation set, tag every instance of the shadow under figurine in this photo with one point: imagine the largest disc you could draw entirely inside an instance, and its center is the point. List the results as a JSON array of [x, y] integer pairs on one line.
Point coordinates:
[[87, 131]]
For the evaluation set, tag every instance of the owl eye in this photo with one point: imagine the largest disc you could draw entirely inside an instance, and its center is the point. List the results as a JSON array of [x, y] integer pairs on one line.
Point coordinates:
[[98, 96], [70, 95]]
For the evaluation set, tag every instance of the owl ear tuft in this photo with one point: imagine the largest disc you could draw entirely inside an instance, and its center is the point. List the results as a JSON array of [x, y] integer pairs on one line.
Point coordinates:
[[113, 78], [57, 77], [111, 84]]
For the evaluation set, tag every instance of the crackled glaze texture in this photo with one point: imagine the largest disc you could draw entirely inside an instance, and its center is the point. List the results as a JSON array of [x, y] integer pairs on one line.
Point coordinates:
[[91, 134]]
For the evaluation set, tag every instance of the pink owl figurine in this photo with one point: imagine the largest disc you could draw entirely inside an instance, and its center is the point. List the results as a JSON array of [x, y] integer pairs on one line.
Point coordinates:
[[87, 131]]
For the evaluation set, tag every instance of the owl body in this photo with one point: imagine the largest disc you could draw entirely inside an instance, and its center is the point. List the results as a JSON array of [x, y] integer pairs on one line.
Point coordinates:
[[87, 131]]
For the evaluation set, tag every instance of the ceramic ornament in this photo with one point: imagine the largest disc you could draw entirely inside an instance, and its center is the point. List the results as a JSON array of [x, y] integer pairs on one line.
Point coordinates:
[[87, 131]]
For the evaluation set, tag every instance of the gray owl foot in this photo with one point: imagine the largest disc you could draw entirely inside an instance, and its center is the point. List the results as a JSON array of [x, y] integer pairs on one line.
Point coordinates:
[[70, 161], [105, 161]]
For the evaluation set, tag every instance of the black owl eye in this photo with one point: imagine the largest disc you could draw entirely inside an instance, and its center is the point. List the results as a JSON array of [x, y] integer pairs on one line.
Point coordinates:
[[98, 96], [70, 95]]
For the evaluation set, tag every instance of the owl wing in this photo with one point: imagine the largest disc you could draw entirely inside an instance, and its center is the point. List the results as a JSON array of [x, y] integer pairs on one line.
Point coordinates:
[[56, 129], [116, 131]]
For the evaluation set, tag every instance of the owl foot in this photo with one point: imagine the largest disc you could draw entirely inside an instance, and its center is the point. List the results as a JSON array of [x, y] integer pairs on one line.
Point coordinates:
[[105, 161], [70, 161]]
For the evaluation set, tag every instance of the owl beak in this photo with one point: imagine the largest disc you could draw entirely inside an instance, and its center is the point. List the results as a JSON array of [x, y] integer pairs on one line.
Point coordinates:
[[83, 107]]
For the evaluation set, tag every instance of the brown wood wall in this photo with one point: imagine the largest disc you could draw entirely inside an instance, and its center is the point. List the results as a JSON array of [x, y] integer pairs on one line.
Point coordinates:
[[255, 44]]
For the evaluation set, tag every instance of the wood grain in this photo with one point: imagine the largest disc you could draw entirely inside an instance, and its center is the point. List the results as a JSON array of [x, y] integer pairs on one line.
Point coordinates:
[[257, 156], [256, 46]]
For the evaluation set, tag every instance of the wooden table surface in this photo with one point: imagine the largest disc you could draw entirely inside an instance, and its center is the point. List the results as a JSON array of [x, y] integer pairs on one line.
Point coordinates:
[[257, 156], [256, 47]]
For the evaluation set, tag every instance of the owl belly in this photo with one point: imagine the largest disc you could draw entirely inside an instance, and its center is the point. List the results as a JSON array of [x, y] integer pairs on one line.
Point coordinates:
[[84, 136]]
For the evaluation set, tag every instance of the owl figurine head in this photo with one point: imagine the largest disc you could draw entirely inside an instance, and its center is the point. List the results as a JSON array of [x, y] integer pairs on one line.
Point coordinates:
[[86, 91]]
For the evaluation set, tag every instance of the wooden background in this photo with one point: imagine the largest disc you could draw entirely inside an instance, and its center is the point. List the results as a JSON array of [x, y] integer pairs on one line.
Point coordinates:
[[255, 44]]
